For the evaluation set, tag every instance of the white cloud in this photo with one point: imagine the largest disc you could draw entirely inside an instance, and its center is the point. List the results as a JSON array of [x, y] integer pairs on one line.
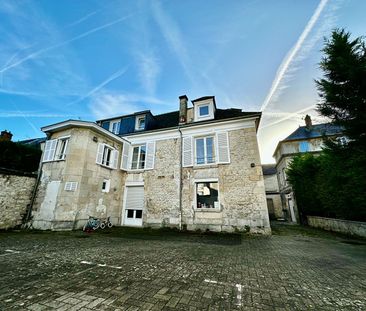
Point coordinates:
[[149, 71], [105, 104]]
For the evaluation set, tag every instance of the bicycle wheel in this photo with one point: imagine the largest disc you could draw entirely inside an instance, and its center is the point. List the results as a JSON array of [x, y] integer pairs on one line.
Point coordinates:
[[102, 225]]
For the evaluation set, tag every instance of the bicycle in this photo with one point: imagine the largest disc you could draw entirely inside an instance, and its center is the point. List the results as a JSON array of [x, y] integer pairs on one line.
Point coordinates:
[[94, 223]]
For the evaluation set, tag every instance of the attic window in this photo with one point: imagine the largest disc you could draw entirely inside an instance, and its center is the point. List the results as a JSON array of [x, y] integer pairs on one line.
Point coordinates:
[[203, 111], [140, 123]]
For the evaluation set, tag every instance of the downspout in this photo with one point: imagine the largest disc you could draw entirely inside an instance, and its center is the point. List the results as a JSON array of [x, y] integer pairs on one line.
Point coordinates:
[[180, 179]]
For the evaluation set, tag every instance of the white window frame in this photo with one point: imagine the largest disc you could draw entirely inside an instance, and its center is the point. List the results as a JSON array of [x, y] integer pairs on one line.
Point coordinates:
[[60, 141], [205, 150], [113, 153], [137, 123], [210, 114], [138, 157], [115, 126], [71, 186], [107, 183], [205, 209]]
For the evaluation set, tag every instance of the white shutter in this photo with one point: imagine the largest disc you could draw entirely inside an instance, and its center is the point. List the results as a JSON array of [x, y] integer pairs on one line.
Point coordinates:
[[115, 155], [125, 156], [99, 159], [150, 155], [49, 150], [223, 150], [135, 197], [187, 151]]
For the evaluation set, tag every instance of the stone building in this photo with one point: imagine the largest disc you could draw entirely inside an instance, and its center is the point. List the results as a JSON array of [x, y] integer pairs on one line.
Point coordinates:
[[196, 168], [273, 196], [308, 138]]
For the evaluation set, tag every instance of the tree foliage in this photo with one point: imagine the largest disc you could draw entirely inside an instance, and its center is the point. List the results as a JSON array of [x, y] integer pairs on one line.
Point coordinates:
[[333, 184], [19, 157]]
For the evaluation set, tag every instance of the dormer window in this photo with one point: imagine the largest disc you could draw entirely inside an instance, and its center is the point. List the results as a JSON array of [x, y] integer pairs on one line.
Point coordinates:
[[203, 111], [140, 123], [114, 126]]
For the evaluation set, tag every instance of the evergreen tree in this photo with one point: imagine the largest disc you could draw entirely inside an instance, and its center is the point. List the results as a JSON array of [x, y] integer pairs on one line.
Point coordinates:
[[343, 87]]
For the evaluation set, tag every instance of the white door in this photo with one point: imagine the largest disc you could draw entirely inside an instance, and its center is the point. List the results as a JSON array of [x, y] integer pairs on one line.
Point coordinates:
[[134, 205]]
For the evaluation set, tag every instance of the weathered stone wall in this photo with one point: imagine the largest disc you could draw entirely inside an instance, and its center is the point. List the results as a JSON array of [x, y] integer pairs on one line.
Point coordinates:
[[241, 188], [15, 195], [352, 228], [59, 209]]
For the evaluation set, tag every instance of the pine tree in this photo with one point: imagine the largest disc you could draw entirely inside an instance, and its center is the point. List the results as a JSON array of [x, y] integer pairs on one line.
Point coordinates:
[[343, 87]]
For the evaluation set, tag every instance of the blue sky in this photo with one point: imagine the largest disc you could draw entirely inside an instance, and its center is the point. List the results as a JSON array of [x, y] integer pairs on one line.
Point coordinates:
[[94, 59]]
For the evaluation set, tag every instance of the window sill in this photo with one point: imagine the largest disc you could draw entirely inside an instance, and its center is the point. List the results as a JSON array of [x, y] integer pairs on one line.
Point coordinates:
[[105, 166], [201, 166], [207, 210]]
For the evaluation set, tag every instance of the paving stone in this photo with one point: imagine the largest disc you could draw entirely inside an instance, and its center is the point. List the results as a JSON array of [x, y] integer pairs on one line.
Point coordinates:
[[287, 271]]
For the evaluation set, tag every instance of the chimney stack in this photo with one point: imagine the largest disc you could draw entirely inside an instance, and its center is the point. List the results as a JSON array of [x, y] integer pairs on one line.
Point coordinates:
[[183, 102], [6, 136], [308, 122]]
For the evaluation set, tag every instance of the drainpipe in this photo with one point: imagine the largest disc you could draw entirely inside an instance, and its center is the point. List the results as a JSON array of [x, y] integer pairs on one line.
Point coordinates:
[[180, 179]]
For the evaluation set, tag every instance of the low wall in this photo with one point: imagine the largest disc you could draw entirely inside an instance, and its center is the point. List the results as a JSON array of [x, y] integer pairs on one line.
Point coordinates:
[[15, 194], [354, 228]]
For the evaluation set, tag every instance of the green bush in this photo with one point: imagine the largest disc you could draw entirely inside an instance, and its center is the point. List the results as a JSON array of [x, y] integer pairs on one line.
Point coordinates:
[[19, 157]]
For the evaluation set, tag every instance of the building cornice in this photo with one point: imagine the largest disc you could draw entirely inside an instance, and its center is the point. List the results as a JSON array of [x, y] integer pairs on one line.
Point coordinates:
[[82, 124]]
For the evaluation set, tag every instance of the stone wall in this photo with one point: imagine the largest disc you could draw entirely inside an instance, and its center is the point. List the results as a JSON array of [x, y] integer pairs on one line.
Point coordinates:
[[352, 228], [15, 194]]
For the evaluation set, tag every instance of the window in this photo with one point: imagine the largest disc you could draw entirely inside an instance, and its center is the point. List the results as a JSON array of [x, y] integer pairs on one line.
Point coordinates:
[[303, 146], [107, 156], [138, 157], [207, 195], [61, 148], [106, 185], [55, 149], [115, 126], [203, 110], [140, 123], [205, 151]]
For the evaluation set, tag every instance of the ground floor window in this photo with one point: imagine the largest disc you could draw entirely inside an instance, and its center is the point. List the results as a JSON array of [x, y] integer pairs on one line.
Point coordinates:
[[133, 213], [207, 195]]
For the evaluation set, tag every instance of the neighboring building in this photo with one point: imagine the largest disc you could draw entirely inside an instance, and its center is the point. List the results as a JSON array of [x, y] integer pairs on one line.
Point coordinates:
[[273, 196], [196, 168], [37, 143], [308, 138]]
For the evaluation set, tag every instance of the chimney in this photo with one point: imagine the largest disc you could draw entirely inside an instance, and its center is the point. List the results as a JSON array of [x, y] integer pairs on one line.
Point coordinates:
[[183, 102], [6, 136], [308, 122]]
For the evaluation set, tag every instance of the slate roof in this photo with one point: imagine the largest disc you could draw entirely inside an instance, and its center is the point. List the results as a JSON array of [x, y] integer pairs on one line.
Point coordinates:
[[317, 130], [269, 169], [33, 142], [171, 119]]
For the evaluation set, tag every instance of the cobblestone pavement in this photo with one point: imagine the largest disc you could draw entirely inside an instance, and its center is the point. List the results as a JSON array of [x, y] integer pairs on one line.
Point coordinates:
[[123, 269]]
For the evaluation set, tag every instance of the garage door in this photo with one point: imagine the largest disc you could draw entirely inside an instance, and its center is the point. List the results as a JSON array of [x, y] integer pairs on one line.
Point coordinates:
[[134, 205]]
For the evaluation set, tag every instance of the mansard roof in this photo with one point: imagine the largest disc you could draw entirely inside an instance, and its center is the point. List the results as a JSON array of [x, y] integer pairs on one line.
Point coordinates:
[[316, 130]]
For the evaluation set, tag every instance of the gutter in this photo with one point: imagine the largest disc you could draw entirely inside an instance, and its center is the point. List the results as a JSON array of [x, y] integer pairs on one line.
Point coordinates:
[[180, 178]]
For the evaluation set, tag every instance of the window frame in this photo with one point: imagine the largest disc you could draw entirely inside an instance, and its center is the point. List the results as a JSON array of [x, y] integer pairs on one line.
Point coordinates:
[[64, 140], [107, 183], [137, 125], [206, 209], [138, 157], [115, 127], [210, 114], [204, 150]]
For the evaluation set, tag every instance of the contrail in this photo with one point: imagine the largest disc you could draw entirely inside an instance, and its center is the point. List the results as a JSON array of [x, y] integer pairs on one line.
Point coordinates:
[[114, 76], [292, 53], [87, 33], [82, 19], [289, 116]]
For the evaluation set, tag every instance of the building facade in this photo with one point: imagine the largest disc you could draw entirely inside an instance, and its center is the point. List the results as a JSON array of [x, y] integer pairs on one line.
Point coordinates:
[[196, 168], [305, 139], [273, 195]]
